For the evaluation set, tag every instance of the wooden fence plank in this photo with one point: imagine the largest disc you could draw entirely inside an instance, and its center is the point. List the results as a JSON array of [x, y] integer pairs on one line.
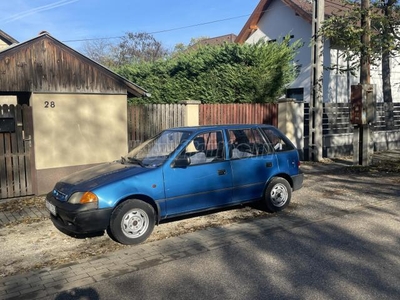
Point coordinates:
[[147, 120], [20, 167], [28, 148], [265, 113]]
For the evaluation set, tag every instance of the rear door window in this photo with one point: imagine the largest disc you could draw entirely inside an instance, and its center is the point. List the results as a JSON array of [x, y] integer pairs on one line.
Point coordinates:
[[246, 143]]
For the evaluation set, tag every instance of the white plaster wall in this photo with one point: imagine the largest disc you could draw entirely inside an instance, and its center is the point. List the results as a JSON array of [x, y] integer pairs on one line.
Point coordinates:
[[280, 21], [376, 78], [339, 83], [395, 79]]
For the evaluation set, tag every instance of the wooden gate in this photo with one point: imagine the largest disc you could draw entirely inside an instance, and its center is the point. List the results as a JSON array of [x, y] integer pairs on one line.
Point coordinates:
[[16, 152]]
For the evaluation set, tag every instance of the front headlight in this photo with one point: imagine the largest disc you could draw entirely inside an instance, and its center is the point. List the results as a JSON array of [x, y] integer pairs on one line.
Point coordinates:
[[83, 198]]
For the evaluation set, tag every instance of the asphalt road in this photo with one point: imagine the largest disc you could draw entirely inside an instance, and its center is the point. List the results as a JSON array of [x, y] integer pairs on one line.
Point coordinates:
[[351, 255], [339, 239]]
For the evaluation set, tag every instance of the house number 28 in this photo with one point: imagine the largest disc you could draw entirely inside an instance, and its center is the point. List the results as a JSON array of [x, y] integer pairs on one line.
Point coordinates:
[[49, 104]]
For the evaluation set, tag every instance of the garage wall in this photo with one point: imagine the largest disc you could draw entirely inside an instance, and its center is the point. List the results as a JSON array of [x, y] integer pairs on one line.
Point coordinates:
[[74, 131]]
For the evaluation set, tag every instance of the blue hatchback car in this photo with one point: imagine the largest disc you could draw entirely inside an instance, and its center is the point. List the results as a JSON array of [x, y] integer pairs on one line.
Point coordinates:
[[179, 172]]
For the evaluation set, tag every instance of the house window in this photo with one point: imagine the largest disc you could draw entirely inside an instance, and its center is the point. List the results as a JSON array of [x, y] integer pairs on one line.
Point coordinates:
[[295, 93], [274, 40]]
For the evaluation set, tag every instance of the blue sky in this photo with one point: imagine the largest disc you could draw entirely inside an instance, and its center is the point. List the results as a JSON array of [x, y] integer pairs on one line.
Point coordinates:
[[68, 20]]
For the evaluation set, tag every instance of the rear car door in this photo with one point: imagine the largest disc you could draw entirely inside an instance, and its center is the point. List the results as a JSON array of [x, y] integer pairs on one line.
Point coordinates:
[[286, 153], [253, 163]]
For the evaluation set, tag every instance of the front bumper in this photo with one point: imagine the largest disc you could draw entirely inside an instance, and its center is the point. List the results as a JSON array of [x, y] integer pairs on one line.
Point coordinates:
[[298, 181], [79, 218]]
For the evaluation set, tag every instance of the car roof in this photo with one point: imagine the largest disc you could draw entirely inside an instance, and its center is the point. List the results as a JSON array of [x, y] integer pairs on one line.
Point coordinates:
[[225, 126]]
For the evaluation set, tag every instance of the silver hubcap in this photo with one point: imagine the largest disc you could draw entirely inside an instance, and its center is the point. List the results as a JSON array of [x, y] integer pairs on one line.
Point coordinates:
[[135, 223], [279, 195]]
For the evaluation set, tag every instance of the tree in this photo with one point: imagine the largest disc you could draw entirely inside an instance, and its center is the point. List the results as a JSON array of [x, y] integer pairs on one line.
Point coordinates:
[[344, 31], [100, 51], [229, 73], [138, 47], [181, 47], [131, 48], [390, 42]]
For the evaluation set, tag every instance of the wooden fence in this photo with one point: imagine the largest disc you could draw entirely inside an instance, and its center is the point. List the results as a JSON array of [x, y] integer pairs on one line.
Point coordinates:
[[258, 113], [145, 121], [16, 154]]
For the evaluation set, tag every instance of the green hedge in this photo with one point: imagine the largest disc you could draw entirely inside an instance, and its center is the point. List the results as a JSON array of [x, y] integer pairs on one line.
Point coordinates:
[[230, 73]]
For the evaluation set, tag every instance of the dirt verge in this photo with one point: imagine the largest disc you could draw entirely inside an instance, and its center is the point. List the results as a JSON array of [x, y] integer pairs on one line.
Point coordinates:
[[34, 243]]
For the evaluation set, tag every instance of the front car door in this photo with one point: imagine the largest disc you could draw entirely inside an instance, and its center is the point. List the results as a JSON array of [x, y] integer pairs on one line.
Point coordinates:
[[205, 182]]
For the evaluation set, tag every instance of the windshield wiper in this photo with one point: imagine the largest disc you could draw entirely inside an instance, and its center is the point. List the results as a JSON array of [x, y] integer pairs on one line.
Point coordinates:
[[133, 160]]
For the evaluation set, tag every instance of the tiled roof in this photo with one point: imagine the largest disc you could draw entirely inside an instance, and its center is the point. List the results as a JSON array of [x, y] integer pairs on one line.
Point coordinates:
[[302, 8], [219, 40], [228, 38]]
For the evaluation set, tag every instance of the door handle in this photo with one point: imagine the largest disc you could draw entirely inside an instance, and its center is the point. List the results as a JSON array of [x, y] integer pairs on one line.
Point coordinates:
[[221, 172], [268, 164]]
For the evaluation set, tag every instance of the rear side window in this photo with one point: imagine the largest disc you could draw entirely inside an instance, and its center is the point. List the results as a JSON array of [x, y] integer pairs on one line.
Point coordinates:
[[276, 140], [246, 143]]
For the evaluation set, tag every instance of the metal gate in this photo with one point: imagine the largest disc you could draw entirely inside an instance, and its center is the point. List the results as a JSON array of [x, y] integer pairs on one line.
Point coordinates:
[[16, 152]]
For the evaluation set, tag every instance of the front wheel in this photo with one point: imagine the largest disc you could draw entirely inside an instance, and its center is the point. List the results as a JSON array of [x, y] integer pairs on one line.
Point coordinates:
[[278, 194], [132, 222]]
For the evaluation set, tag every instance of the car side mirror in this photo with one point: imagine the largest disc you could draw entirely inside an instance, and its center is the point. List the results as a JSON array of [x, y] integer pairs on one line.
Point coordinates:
[[181, 162]]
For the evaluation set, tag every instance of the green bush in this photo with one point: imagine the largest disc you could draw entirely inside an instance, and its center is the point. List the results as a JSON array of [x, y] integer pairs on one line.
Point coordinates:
[[229, 73]]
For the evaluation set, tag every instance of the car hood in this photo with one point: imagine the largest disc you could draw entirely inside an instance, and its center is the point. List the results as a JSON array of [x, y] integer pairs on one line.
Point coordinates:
[[91, 178]]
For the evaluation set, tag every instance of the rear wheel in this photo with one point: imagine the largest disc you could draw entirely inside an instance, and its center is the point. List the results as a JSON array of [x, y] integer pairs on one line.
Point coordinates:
[[132, 222], [278, 194]]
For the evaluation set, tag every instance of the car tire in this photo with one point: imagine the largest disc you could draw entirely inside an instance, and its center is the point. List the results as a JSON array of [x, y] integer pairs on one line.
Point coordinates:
[[277, 194], [132, 222]]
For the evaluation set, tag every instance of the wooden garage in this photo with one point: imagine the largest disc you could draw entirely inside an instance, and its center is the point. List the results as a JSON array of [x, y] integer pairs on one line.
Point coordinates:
[[63, 112]]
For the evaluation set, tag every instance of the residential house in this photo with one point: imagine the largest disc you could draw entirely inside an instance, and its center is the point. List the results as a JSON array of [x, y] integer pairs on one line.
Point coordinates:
[[219, 40], [214, 41], [6, 40], [274, 19]]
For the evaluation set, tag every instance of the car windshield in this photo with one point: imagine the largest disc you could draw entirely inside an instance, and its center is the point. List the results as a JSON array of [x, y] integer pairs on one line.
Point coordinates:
[[155, 151]]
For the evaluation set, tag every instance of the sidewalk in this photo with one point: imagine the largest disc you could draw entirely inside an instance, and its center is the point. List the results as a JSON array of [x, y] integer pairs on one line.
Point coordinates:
[[24, 214]]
